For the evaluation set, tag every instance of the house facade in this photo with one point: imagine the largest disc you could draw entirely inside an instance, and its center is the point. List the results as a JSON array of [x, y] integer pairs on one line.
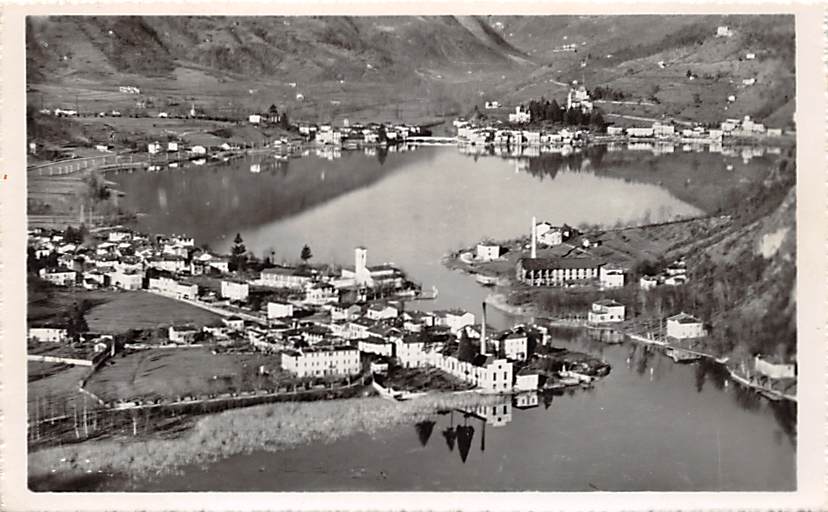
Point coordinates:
[[684, 326], [487, 252], [48, 334], [557, 271], [279, 310], [611, 276], [606, 311], [235, 290], [59, 276], [774, 369], [322, 361], [285, 277]]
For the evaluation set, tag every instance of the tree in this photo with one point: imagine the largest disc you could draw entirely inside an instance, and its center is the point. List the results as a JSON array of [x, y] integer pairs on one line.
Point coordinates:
[[596, 120], [238, 251], [465, 351], [75, 321], [306, 254]]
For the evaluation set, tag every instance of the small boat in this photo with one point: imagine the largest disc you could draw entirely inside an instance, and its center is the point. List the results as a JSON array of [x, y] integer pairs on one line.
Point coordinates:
[[681, 356], [485, 280]]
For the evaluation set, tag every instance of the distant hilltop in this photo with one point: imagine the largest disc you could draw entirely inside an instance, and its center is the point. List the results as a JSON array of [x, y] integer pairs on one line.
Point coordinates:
[[692, 67]]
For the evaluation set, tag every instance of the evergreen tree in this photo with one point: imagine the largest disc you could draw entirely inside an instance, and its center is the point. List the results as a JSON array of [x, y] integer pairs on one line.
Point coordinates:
[[466, 351], [75, 321], [306, 254], [237, 253], [596, 120]]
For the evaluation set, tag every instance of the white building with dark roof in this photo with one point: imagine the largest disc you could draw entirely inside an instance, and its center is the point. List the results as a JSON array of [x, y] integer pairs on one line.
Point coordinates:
[[557, 271], [322, 361], [684, 326], [606, 311]]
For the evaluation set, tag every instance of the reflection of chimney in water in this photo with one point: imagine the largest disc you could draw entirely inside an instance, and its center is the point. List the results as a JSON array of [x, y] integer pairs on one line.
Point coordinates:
[[534, 239], [483, 439], [483, 331]]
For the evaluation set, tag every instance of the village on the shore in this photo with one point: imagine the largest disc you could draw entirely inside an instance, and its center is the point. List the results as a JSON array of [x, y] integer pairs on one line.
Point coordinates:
[[327, 324]]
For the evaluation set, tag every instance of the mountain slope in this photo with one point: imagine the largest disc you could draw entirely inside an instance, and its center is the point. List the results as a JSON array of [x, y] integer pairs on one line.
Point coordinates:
[[419, 67]]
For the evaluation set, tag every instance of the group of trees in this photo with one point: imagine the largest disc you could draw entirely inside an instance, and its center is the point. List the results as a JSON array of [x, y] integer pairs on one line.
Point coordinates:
[[544, 110], [241, 260], [608, 93]]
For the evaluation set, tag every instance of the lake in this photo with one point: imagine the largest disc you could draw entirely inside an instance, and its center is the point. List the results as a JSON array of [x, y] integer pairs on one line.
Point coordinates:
[[650, 425]]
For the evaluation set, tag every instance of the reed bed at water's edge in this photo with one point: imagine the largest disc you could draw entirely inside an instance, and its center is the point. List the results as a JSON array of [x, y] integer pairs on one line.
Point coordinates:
[[270, 427]]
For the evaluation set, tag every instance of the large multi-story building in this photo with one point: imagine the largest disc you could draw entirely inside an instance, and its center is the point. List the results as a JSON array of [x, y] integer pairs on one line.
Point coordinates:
[[557, 271], [285, 277], [322, 361], [173, 288], [59, 276]]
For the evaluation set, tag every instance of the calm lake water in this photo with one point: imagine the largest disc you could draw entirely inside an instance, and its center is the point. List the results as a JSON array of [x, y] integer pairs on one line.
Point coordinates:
[[651, 425]]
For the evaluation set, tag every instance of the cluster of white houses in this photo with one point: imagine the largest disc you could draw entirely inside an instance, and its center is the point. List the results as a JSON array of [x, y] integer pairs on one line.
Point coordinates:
[[318, 348], [674, 275], [357, 134], [484, 135]]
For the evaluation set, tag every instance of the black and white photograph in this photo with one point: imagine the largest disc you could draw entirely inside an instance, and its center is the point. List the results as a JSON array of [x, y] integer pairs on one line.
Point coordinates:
[[399, 253]]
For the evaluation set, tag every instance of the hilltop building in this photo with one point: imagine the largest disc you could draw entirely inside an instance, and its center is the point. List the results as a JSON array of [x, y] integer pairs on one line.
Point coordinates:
[[520, 116], [579, 99]]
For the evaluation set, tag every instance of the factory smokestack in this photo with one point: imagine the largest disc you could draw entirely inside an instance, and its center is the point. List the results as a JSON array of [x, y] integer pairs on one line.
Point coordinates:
[[483, 331], [534, 238]]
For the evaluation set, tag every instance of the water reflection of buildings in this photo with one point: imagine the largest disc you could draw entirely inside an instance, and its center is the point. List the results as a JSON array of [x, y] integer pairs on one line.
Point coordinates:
[[526, 400], [466, 423], [463, 423]]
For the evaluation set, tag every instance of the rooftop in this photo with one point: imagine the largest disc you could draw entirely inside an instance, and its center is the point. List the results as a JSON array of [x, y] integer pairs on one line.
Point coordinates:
[[559, 263], [684, 318]]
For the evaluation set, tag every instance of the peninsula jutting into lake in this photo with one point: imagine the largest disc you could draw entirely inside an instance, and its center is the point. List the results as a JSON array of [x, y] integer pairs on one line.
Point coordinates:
[[572, 278]]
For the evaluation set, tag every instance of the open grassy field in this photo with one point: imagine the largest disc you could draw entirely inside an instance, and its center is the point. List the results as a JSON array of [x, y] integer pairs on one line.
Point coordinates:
[[171, 373], [142, 310], [57, 391], [112, 311]]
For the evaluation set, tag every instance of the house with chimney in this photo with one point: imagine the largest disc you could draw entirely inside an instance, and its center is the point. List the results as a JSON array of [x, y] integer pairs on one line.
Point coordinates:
[[555, 271]]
